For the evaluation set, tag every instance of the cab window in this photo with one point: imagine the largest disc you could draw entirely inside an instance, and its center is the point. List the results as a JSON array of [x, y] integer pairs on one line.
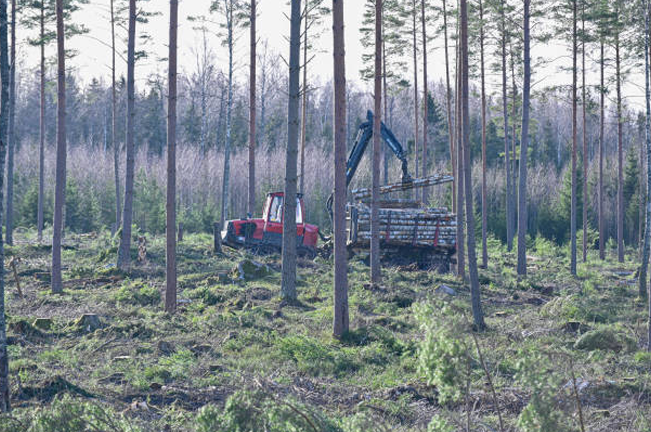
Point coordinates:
[[276, 210], [299, 212]]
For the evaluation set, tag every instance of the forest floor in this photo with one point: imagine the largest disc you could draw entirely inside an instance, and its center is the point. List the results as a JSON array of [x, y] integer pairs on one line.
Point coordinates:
[[232, 357]]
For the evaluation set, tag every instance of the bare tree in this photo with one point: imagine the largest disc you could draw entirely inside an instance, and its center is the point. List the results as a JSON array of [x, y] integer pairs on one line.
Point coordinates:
[[170, 280], [477, 313], [620, 141], [524, 146], [376, 273], [574, 143], [461, 257], [124, 252], [602, 120], [41, 145], [60, 181], [484, 188], [288, 281], [425, 133], [341, 318], [644, 265], [414, 34], [252, 110], [4, 114], [585, 136], [11, 140]]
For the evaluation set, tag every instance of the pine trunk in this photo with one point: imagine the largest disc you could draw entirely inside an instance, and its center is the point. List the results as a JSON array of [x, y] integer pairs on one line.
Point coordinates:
[[574, 138], [288, 283], [642, 283], [41, 146], [375, 223], [585, 138], [620, 155], [114, 129], [170, 280], [4, 122], [60, 181], [385, 111], [252, 110], [414, 13], [524, 147], [448, 99], [477, 313], [11, 140], [461, 258], [424, 169], [507, 152], [602, 120], [341, 316], [304, 101], [229, 115], [484, 188], [124, 252]]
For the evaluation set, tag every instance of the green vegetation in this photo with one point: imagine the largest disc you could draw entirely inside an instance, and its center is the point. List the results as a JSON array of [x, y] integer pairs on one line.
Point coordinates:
[[233, 359]]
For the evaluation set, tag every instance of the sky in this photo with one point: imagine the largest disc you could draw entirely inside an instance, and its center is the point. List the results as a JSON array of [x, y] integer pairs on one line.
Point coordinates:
[[94, 51]]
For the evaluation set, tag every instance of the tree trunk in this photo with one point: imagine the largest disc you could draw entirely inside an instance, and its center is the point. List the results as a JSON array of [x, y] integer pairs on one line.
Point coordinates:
[[414, 13], [12, 133], [477, 313], [461, 258], [304, 101], [585, 138], [620, 155], [4, 120], [448, 99], [124, 252], [375, 221], [252, 111], [41, 147], [170, 280], [229, 115], [524, 147], [484, 188], [507, 152], [385, 111], [574, 139], [514, 142], [341, 318], [288, 283], [425, 163], [60, 182], [602, 120], [114, 129], [642, 284]]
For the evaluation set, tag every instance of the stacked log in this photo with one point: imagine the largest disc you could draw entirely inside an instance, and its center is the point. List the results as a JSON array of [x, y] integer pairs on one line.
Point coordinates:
[[437, 179], [405, 226]]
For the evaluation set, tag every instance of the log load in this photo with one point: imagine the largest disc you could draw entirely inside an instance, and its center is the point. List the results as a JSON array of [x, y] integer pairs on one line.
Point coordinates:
[[437, 179]]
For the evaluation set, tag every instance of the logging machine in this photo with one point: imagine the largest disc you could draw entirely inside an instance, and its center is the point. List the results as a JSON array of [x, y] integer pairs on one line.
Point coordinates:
[[409, 232]]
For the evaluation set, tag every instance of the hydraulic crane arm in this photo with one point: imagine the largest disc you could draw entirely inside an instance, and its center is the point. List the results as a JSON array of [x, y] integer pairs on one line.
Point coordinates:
[[364, 135]]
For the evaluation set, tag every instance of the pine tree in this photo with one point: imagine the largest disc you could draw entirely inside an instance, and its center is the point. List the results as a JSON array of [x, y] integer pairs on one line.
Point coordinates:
[[11, 139], [4, 120], [376, 274], [252, 106], [341, 318], [524, 146]]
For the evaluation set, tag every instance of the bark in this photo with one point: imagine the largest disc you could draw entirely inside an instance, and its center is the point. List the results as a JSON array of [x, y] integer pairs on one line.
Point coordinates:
[[448, 100], [124, 252], [477, 313], [170, 280], [385, 112], [114, 129], [341, 316], [524, 146], [304, 101], [414, 13], [41, 146], [252, 111], [375, 223], [602, 119], [585, 138], [507, 153], [461, 263], [11, 140], [620, 155], [642, 284], [484, 189], [228, 5], [424, 168], [60, 181], [4, 120], [288, 283], [574, 108]]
